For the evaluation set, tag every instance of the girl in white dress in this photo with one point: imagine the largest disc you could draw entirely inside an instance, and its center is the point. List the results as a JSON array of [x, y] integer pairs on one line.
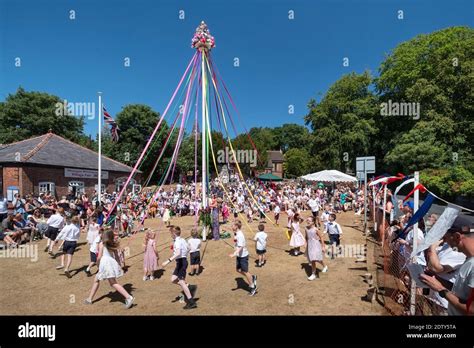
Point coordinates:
[[297, 239], [93, 230], [167, 216], [109, 268]]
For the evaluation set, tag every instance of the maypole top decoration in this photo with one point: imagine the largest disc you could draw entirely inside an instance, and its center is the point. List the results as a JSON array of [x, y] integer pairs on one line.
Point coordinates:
[[202, 39]]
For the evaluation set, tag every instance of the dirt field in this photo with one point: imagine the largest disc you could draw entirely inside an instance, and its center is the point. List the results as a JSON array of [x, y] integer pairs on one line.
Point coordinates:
[[37, 288]]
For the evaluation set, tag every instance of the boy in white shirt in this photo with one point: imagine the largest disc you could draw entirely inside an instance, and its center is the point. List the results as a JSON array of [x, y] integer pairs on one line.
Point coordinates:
[[261, 245], [325, 216], [55, 224], [242, 254], [315, 206], [194, 252], [70, 235], [334, 230], [180, 253]]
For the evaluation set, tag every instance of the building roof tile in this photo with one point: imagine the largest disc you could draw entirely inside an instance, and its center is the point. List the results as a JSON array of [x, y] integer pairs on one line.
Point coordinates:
[[52, 150]]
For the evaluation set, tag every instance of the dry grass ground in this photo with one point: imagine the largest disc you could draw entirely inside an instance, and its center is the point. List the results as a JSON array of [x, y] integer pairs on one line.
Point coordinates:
[[37, 288]]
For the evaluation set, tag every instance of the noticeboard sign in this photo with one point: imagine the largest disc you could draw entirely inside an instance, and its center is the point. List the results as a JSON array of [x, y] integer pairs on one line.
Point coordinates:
[[365, 164]]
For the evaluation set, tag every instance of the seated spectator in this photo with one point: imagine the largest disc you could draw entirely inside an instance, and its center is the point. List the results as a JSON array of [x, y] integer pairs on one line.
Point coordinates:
[[29, 206], [6, 239], [31, 224], [9, 228], [18, 204], [40, 222], [19, 221], [21, 225]]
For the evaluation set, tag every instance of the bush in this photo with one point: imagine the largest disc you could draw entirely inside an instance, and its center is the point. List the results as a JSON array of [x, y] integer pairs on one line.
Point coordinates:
[[467, 188], [449, 182]]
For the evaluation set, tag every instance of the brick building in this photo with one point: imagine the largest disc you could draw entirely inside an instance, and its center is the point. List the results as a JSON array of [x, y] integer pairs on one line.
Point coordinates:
[[275, 163], [52, 163]]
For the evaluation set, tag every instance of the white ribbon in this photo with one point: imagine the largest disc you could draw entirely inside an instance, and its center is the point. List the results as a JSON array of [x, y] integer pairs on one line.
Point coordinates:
[[439, 229], [397, 209], [382, 180], [409, 181]]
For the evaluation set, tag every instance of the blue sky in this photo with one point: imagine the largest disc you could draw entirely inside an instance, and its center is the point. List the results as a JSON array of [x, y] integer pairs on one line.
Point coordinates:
[[282, 62]]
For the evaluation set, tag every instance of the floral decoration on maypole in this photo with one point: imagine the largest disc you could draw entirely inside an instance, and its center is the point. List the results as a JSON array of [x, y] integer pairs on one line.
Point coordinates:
[[202, 39]]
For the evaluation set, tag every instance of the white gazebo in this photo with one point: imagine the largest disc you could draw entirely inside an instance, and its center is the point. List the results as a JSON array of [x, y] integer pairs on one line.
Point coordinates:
[[329, 176]]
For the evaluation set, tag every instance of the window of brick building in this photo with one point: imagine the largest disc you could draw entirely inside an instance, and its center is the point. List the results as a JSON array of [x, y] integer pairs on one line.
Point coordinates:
[[120, 182], [76, 188], [46, 186]]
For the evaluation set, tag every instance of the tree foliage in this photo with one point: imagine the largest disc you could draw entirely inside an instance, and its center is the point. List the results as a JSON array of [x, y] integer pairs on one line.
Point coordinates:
[[455, 181], [27, 114], [297, 162], [343, 122], [437, 71], [136, 123]]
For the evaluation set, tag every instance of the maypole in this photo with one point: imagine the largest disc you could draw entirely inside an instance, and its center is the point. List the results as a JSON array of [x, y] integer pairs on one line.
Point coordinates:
[[203, 42], [203, 143]]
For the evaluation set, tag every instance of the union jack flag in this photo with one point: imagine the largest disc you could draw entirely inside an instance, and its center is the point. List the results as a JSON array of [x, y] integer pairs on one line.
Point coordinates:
[[114, 129]]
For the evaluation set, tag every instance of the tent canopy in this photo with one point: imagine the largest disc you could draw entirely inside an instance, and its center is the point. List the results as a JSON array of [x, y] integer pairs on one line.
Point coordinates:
[[329, 176], [269, 177]]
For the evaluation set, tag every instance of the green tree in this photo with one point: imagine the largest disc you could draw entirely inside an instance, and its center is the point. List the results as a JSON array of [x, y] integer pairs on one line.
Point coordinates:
[[417, 149], [136, 123], [343, 123], [186, 162], [291, 136], [27, 114], [263, 139], [449, 183], [437, 71], [297, 162]]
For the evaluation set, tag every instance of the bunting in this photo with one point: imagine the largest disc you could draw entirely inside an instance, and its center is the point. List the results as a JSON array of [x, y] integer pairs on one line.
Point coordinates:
[[419, 187], [428, 202], [385, 180]]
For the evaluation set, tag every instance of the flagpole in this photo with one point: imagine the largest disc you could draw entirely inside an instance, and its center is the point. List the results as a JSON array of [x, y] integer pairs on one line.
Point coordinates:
[[99, 171]]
